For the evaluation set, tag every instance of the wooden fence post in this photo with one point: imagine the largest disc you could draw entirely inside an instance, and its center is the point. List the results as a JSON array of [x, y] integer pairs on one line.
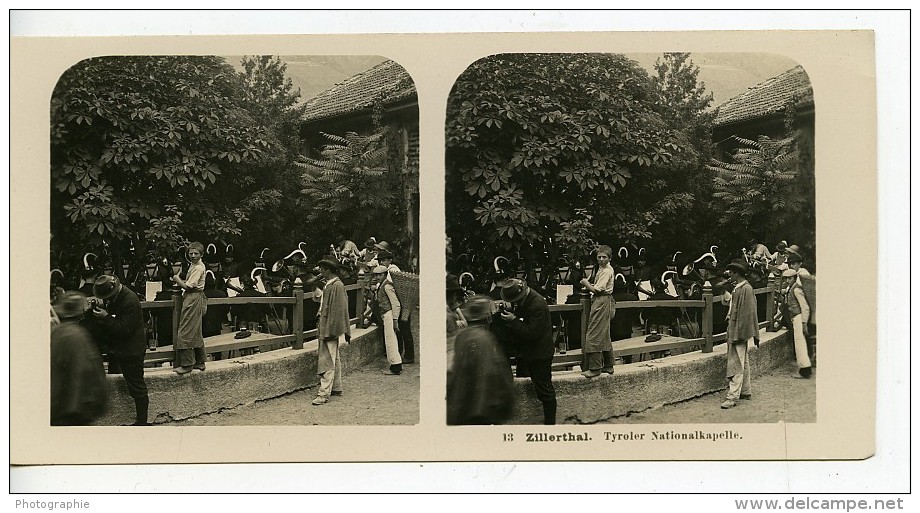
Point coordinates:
[[298, 314], [585, 315], [771, 304], [707, 317], [176, 312], [360, 302]]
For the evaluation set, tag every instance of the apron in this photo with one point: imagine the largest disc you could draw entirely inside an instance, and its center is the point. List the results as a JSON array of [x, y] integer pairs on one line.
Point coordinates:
[[597, 338], [194, 305]]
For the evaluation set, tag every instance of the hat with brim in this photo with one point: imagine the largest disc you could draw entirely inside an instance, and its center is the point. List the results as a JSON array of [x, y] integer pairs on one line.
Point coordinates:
[[384, 254], [789, 273], [380, 269], [739, 266], [382, 246], [478, 308], [106, 286], [71, 304], [794, 249], [514, 290], [330, 265]]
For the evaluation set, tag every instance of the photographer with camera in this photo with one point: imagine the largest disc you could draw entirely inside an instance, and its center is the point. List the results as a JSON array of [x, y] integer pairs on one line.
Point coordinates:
[[523, 316], [120, 323]]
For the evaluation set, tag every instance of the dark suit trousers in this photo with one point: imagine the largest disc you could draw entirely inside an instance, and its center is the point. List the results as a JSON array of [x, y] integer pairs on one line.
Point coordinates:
[[406, 342], [132, 369], [540, 370]]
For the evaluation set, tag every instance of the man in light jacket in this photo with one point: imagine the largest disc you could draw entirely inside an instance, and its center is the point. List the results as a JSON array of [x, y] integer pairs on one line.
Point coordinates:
[[333, 325], [388, 308], [797, 317], [742, 328]]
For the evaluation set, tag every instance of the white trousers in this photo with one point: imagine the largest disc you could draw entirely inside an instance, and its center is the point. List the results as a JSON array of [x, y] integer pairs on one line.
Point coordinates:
[[331, 380], [801, 345], [390, 340], [740, 383]]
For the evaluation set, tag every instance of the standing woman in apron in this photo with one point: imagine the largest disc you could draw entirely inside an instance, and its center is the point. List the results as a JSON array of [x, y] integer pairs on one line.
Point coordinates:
[[190, 344], [598, 349]]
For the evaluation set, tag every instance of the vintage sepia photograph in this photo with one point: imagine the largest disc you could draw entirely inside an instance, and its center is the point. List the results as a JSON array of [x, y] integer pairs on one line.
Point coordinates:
[[234, 241], [443, 249], [631, 240]]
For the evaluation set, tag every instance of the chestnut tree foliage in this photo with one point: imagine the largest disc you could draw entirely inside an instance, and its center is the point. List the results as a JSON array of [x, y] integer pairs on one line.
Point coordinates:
[[161, 149], [534, 139], [269, 208]]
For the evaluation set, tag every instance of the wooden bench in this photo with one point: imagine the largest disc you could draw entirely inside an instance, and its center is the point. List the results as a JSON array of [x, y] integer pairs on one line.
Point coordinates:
[[225, 345], [629, 347]]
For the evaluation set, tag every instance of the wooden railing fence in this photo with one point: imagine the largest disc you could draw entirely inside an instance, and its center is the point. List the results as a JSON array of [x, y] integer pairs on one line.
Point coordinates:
[[707, 339], [295, 339]]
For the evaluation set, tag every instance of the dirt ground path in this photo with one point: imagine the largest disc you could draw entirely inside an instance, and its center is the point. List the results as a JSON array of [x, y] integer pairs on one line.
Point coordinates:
[[369, 399], [776, 397]]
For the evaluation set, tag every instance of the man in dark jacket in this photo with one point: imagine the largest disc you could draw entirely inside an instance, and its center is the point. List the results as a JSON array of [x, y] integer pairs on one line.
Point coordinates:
[[79, 393], [121, 323], [525, 317]]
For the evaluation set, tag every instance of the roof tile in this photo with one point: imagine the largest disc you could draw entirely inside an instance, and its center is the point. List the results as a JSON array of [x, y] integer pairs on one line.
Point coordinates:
[[768, 98], [387, 81]]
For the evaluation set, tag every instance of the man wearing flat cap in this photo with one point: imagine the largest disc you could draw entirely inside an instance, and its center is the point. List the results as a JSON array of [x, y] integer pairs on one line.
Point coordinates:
[[525, 317], [333, 327], [742, 328], [121, 324]]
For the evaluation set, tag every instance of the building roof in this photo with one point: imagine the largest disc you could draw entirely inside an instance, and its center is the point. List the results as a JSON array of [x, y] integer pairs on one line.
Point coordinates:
[[386, 81], [768, 98]]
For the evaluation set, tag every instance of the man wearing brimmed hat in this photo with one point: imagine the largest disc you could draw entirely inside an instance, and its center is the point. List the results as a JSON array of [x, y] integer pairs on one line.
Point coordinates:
[[797, 315], [524, 316], [382, 247], [388, 309], [795, 262], [79, 392], [742, 328], [333, 328], [121, 323], [480, 388], [404, 334], [367, 258]]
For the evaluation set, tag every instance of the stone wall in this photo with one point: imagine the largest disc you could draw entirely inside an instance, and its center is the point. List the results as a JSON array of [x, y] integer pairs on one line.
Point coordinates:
[[649, 384], [234, 382]]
